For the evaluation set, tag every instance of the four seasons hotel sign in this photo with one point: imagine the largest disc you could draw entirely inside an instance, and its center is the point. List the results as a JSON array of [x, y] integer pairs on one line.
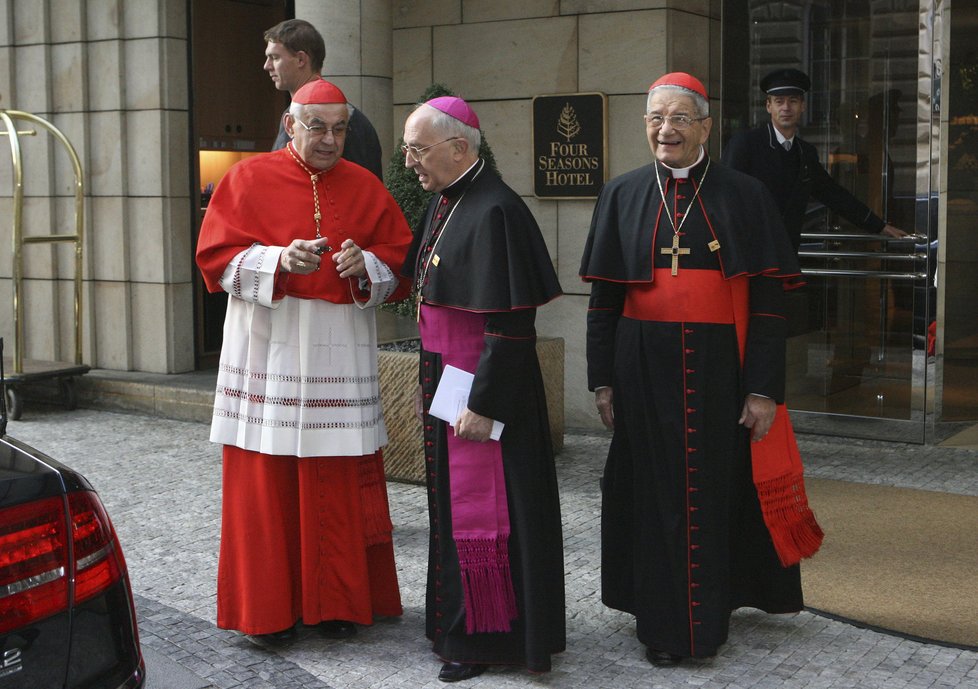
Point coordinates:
[[570, 142]]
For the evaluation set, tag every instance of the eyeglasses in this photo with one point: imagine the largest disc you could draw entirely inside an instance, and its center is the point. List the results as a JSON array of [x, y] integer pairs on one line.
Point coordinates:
[[338, 130], [675, 121], [418, 153]]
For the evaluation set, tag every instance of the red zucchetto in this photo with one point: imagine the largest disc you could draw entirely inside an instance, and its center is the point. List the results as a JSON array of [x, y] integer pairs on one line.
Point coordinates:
[[686, 81], [318, 92]]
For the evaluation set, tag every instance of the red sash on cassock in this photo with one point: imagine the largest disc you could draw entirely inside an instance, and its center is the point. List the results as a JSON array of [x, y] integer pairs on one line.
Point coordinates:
[[704, 296]]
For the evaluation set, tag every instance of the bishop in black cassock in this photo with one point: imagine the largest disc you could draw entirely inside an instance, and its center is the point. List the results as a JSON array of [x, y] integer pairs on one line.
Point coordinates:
[[686, 259], [495, 592]]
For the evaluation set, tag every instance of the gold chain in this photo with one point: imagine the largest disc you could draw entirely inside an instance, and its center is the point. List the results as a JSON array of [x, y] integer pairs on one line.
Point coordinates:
[[314, 178]]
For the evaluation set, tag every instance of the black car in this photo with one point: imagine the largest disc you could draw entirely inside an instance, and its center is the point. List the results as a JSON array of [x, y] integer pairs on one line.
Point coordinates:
[[67, 619]]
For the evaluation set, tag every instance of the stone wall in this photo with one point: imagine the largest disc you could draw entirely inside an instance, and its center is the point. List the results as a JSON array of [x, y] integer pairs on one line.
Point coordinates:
[[112, 76]]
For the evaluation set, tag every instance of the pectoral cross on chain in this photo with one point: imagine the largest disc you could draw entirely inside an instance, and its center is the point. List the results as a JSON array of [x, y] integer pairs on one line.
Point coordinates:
[[676, 251]]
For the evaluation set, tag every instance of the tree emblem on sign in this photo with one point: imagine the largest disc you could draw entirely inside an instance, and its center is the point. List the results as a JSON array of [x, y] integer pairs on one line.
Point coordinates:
[[567, 125]]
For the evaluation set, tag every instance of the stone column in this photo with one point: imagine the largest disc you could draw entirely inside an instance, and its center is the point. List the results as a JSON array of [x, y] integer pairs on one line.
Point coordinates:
[[358, 56]]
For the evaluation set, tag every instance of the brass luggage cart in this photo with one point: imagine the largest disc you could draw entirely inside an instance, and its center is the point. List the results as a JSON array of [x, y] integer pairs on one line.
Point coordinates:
[[21, 372]]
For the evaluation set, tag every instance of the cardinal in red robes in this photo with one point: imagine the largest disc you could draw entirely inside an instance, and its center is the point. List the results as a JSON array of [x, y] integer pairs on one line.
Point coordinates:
[[305, 244]]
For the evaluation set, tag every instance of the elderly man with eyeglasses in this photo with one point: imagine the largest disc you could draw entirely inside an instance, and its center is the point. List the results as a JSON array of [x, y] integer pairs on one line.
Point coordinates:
[[480, 270], [305, 244], [686, 357]]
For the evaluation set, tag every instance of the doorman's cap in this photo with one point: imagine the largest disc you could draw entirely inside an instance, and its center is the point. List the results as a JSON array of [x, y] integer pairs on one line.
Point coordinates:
[[786, 82]]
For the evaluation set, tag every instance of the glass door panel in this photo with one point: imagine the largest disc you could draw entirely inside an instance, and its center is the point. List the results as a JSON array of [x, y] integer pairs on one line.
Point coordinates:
[[857, 350], [959, 392]]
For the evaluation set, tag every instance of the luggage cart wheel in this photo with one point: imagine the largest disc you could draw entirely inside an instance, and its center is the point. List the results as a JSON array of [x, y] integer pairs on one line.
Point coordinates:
[[15, 403], [69, 396]]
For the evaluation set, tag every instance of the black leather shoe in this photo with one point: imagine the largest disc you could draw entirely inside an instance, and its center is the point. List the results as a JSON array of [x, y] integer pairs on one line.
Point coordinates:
[[661, 658], [456, 672], [275, 639], [337, 629]]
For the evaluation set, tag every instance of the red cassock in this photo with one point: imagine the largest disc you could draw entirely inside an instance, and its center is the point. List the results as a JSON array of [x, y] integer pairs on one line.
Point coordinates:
[[304, 538], [306, 530]]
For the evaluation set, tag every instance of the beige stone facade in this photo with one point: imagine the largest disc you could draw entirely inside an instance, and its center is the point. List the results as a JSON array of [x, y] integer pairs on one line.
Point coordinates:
[[113, 76]]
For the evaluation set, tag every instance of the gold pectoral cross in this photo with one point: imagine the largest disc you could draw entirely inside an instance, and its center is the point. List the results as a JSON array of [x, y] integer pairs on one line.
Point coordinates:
[[676, 252]]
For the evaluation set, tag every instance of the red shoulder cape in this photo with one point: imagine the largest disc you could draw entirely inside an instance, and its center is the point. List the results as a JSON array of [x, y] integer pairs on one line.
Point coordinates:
[[268, 200]]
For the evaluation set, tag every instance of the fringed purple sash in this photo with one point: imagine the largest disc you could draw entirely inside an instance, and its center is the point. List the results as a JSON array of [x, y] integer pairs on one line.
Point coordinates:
[[480, 515]]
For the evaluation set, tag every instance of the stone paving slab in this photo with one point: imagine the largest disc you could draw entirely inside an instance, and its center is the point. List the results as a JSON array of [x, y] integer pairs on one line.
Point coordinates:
[[160, 480]]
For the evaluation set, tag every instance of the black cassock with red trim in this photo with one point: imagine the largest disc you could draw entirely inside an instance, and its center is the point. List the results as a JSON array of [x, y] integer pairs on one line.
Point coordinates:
[[683, 539]]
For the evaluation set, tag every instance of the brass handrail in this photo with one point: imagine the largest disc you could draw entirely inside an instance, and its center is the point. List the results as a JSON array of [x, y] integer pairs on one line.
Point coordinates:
[[18, 240]]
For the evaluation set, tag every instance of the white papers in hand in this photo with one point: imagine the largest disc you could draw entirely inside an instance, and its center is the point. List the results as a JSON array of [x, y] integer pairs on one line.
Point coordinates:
[[452, 397]]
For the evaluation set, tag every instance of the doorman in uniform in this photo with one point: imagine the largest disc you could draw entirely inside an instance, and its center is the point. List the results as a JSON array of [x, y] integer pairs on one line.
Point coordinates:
[[788, 165]]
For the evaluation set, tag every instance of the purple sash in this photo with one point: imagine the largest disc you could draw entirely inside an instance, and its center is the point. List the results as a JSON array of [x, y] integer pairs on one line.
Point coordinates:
[[480, 515]]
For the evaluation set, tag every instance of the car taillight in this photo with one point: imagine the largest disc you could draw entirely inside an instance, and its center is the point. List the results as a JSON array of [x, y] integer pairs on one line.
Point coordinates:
[[34, 566], [33, 562], [97, 555]]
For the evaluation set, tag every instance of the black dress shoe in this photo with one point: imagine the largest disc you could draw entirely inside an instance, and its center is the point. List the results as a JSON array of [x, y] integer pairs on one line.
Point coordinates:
[[661, 658], [275, 639], [456, 672], [337, 629]]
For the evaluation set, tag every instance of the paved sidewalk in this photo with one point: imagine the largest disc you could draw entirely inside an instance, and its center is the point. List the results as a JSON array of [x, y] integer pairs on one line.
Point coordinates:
[[161, 482]]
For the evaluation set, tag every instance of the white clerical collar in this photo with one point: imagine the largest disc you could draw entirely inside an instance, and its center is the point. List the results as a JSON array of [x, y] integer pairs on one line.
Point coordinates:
[[781, 137], [466, 171], [683, 172]]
